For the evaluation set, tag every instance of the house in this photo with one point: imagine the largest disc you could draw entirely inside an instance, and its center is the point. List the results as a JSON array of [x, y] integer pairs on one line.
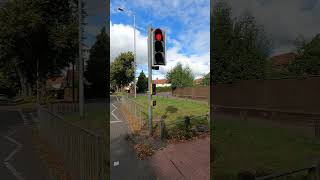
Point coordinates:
[[280, 62], [55, 86], [198, 81], [161, 83]]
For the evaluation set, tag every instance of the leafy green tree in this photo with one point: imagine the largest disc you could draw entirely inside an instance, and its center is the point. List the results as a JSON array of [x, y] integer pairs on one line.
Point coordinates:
[[240, 46], [97, 65], [180, 76], [142, 83], [38, 36], [307, 61], [122, 70], [206, 80]]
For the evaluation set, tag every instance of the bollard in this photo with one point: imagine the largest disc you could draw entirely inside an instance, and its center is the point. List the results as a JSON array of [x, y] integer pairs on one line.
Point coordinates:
[[187, 122]]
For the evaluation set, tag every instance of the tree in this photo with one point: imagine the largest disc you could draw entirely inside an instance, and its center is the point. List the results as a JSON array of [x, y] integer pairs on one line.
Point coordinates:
[[37, 35], [206, 80], [180, 76], [97, 65], [240, 46], [122, 70], [307, 61], [221, 39], [142, 83]]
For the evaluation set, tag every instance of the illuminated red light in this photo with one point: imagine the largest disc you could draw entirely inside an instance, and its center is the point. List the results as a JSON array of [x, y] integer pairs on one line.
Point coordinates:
[[158, 37]]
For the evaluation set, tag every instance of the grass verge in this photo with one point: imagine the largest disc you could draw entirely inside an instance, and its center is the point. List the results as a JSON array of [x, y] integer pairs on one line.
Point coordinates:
[[260, 148]]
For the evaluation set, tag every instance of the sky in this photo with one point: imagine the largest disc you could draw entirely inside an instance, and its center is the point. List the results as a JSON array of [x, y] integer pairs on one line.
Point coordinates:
[[187, 26], [283, 20], [96, 19]]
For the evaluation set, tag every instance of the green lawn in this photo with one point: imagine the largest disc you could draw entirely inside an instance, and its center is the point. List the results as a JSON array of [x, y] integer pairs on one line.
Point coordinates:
[[239, 146], [174, 108]]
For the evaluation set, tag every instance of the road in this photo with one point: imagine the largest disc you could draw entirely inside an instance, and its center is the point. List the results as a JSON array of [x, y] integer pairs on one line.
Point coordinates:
[[18, 158], [123, 160]]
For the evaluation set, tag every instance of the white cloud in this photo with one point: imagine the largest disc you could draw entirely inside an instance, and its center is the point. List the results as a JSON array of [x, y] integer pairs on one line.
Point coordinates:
[[121, 40]]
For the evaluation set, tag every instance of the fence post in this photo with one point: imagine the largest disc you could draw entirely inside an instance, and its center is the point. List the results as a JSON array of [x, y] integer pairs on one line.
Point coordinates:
[[187, 122]]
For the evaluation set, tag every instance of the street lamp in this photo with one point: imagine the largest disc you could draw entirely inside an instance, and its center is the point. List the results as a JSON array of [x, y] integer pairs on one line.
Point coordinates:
[[134, 47]]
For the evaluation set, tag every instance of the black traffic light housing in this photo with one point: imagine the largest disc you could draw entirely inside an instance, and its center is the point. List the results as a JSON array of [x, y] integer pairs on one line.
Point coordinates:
[[154, 88], [158, 47]]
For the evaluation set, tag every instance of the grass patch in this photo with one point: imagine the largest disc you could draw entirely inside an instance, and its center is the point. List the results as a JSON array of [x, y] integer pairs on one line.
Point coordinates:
[[262, 148], [174, 109]]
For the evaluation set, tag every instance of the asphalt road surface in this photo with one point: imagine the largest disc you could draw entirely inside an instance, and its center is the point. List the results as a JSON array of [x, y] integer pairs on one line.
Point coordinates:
[[18, 158], [123, 161]]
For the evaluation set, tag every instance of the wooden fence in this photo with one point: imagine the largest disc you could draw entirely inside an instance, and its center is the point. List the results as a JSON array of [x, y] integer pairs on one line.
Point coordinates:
[[198, 93]]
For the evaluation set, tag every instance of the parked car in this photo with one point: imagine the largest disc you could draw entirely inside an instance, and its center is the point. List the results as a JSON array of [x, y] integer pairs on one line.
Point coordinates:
[[4, 98]]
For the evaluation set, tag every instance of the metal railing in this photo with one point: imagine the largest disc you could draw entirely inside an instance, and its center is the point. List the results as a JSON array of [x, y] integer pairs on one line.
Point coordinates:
[[81, 151], [63, 108], [137, 110], [313, 173]]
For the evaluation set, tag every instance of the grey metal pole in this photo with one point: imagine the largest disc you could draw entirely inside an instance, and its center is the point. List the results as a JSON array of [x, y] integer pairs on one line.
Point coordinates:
[[135, 55], [38, 82], [149, 80], [81, 98]]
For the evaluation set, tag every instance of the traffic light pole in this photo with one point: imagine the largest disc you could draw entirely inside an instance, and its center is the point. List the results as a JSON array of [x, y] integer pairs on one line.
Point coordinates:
[[150, 80], [81, 93]]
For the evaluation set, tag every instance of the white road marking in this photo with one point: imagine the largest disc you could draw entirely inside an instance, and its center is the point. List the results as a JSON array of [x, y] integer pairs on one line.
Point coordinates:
[[19, 146], [116, 163], [118, 120], [13, 171], [113, 122], [23, 117], [7, 159]]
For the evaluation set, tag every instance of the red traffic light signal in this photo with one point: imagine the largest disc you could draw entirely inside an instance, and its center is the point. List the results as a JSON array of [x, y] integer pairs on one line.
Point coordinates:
[[159, 45]]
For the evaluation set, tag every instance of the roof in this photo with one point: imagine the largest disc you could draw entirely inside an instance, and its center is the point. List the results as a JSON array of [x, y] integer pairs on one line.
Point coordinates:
[[283, 59], [198, 81], [55, 82], [160, 81]]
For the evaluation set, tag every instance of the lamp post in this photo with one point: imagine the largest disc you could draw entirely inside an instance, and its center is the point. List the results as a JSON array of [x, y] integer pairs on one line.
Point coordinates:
[[134, 49]]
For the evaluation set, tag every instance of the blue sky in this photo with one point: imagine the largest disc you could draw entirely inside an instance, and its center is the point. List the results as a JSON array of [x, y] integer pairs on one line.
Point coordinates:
[[187, 26]]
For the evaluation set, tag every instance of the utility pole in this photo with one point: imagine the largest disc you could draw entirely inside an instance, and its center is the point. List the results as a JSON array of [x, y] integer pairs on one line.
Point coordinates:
[[150, 79], [81, 94], [38, 99], [135, 55]]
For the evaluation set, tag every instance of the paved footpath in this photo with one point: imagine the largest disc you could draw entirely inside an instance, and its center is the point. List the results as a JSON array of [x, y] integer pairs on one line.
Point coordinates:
[[123, 161], [189, 160], [183, 161], [18, 158]]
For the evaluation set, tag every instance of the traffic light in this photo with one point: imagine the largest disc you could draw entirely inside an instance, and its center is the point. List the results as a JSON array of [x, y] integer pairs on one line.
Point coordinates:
[[158, 48], [154, 88]]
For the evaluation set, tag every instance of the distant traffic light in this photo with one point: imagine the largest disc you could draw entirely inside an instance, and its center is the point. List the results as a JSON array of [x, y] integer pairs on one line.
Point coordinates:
[[158, 48], [154, 89]]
